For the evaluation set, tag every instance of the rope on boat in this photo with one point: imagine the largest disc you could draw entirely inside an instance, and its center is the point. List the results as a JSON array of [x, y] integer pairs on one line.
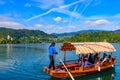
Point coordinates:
[[66, 69]]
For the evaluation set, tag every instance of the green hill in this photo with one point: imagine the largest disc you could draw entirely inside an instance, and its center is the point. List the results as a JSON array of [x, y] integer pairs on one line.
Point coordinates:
[[25, 36], [37, 36], [109, 36]]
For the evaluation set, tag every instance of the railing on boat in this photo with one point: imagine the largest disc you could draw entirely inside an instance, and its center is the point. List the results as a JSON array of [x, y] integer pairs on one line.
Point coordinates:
[[73, 65]]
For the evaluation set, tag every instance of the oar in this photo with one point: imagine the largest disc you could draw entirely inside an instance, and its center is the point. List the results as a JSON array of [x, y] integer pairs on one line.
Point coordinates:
[[66, 69]]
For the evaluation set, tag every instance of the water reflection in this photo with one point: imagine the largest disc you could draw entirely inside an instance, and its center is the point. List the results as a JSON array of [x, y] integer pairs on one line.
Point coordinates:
[[105, 75], [8, 50]]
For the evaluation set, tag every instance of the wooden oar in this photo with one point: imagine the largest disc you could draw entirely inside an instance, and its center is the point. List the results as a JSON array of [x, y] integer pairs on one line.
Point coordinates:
[[66, 69]]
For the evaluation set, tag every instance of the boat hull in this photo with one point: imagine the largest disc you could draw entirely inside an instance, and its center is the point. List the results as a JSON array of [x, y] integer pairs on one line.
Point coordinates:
[[62, 73]]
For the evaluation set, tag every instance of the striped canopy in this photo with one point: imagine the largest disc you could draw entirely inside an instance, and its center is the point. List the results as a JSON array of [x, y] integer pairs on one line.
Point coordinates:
[[88, 47]]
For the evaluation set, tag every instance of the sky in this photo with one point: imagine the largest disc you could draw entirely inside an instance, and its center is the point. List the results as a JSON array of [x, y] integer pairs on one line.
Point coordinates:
[[60, 16]]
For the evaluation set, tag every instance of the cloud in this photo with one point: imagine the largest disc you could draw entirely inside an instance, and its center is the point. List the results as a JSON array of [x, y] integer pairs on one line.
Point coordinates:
[[43, 27], [116, 28], [41, 14], [70, 13], [101, 22], [96, 2], [71, 27], [68, 5], [65, 21], [38, 26], [88, 22], [2, 18], [55, 29], [10, 24], [60, 9], [61, 28], [57, 19], [86, 5], [97, 22], [28, 5], [47, 4], [49, 28]]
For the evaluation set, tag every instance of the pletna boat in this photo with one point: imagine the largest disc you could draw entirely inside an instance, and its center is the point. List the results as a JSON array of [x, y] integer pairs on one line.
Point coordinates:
[[78, 67]]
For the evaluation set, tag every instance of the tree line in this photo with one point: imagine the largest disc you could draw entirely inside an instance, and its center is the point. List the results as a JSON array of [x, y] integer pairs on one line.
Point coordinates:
[[113, 37], [24, 36], [37, 36]]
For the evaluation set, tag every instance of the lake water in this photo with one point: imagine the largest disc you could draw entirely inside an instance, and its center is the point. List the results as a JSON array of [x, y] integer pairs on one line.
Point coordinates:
[[26, 62]]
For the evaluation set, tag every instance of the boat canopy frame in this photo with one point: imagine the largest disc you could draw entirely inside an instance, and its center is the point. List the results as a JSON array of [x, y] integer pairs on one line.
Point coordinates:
[[88, 47]]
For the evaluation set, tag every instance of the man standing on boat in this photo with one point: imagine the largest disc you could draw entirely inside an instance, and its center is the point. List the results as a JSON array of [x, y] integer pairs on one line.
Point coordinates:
[[52, 52]]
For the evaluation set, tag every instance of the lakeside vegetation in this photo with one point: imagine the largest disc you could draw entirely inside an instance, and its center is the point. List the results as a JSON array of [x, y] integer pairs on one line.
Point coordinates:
[[24, 36], [36, 36], [113, 37]]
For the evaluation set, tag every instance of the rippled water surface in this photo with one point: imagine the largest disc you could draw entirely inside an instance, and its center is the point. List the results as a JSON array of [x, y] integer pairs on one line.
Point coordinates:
[[26, 61]]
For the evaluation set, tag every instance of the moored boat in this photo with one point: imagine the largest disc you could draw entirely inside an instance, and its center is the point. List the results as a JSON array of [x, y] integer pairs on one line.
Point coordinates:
[[78, 67]]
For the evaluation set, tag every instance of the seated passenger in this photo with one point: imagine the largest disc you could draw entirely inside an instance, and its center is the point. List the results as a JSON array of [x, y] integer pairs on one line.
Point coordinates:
[[95, 58], [98, 63], [104, 60], [90, 59], [104, 55], [86, 62], [86, 57], [81, 61], [110, 58]]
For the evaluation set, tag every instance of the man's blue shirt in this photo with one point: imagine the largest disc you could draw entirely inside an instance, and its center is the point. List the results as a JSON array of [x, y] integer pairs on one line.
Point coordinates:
[[51, 50]]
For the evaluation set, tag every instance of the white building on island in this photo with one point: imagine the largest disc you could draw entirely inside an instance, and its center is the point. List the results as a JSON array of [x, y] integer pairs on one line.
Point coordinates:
[[9, 37]]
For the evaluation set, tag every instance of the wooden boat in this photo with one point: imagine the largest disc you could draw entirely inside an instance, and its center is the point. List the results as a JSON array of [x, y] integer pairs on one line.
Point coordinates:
[[80, 70]]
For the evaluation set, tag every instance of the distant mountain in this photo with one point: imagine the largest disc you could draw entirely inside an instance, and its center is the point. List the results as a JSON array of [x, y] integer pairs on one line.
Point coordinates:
[[117, 30], [74, 33], [25, 35]]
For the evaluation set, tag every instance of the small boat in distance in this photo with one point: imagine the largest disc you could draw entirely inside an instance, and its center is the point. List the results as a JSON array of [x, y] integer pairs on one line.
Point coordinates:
[[83, 66]]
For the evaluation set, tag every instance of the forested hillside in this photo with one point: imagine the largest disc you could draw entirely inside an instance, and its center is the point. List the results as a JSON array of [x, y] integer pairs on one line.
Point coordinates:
[[24, 36], [113, 37], [37, 36]]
